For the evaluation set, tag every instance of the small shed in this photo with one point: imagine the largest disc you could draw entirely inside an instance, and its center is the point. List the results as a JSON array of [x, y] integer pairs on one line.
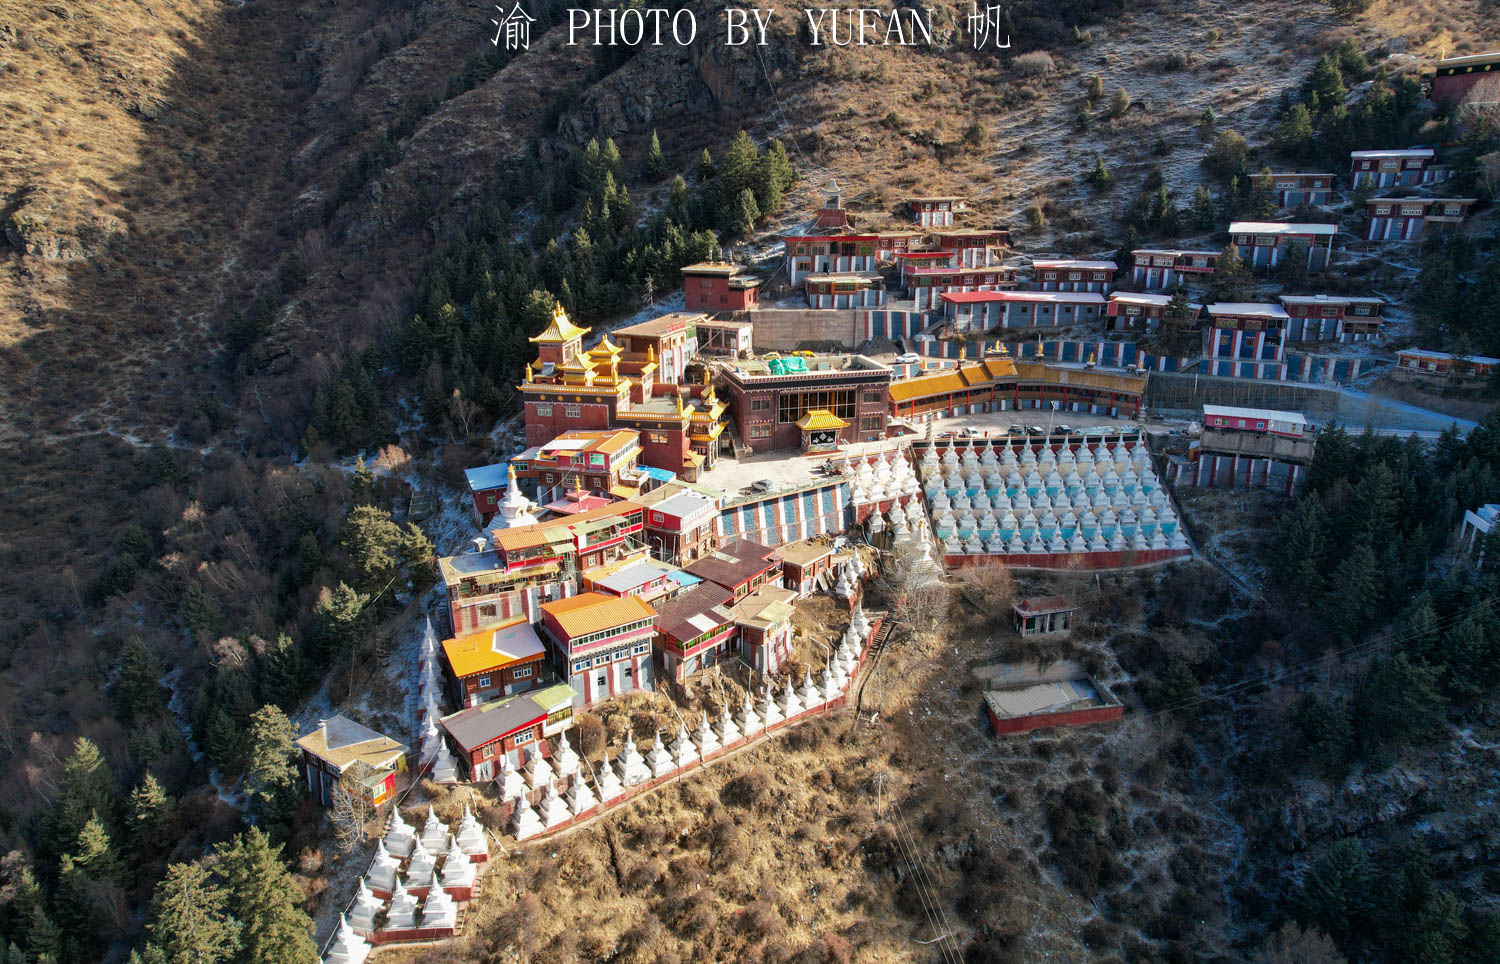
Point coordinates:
[[1043, 615]]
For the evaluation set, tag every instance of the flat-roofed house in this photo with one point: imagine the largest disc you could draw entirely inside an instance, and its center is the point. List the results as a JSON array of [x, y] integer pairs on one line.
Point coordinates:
[[1264, 244], [648, 579], [1441, 369], [1291, 190], [984, 310], [845, 290], [1157, 268], [802, 563], [1068, 274], [495, 662], [1340, 318], [1247, 339], [934, 211], [1143, 311], [719, 286], [764, 618], [1394, 168], [601, 644], [342, 756], [1413, 218], [682, 527]]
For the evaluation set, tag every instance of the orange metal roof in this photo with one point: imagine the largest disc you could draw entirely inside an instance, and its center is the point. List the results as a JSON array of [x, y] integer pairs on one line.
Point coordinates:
[[954, 380], [493, 647], [556, 530], [820, 418], [593, 612]]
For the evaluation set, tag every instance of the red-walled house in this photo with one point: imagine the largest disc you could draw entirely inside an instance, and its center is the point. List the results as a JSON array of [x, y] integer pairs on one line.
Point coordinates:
[[671, 341], [1290, 190], [1442, 369], [983, 310], [1405, 168], [844, 290], [479, 736], [891, 244], [1412, 218], [601, 644], [740, 566], [494, 662], [717, 286], [694, 629], [1155, 268], [1138, 311], [1066, 274], [487, 485], [925, 285], [769, 396], [593, 461], [830, 254], [1261, 421], [647, 579], [802, 563], [1340, 318], [1063, 696], [1262, 244], [1247, 340], [934, 212], [973, 247], [683, 527], [764, 620], [1456, 76], [341, 756]]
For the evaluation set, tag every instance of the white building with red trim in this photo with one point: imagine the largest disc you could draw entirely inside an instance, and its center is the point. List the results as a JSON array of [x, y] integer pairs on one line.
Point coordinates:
[[1341, 318], [1156, 268], [1412, 218], [1067, 274], [983, 310], [925, 284], [1246, 340], [829, 254], [1400, 168], [935, 211], [1263, 244]]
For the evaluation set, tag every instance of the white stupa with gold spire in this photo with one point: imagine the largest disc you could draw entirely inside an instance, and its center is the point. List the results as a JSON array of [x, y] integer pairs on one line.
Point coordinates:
[[515, 509]]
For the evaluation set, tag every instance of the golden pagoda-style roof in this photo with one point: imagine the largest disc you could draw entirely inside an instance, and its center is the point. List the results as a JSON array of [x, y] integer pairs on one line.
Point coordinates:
[[605, 350], [820, 418], [561, 330]]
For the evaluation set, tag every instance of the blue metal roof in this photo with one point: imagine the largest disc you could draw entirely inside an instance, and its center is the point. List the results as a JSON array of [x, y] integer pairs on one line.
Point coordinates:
[[485, 477]]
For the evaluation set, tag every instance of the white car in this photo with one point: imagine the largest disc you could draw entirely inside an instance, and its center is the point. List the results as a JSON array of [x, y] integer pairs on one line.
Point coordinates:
[[910, 358]]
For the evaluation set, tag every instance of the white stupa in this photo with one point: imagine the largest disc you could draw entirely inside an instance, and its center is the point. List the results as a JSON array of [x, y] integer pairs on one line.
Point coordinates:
[[402, 914], [770, 713], [458, 869], [809, 695], [366, 906], [609, 783], [790, 704], [566, 759], [439, 911], [419, 869], [515, 509], [432, 740], [526, 823], [723, 732], [684, 751], [471, 837], [658, 760], [444, 768], [347, 947], [580, 796], [383, 869], [748, 722], [538, 771], [552, 809], [509, 780], [631, 767], [434, 833], [399, 836], [705, 740]]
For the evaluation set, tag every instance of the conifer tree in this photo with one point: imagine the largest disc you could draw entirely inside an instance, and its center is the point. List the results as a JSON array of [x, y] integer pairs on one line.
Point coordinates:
[[1231, 279], [362, 481], [1337, 889], [1301, 558], [1351, 596], [265, 899], [44, 940], [339, 624], [1119, 103], [746, 214], [190, 923], [1099, 176], [138, 689], [281, 672], [1401, 701], [1327, 81], [706, 168], [270, 775], [150, 817], [1095, 87], [86, 792], [1203, 208], [656, 161], [1294, 134]]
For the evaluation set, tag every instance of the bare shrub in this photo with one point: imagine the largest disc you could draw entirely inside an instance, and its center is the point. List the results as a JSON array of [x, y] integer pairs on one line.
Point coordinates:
[[1034, 64], [748, 789]]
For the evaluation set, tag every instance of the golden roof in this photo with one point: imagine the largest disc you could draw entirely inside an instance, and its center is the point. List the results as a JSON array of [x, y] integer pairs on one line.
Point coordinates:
[[593, 612], [605, 350], [560, 330], [820, 418]]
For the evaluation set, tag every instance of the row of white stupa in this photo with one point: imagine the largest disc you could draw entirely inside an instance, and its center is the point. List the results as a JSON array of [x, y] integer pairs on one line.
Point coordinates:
[[1111, 501], [631, 768], [883, 477], [421, 854], [433, 750]]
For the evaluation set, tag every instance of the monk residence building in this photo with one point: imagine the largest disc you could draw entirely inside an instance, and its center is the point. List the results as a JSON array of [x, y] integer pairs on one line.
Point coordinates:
[[769, 396]]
